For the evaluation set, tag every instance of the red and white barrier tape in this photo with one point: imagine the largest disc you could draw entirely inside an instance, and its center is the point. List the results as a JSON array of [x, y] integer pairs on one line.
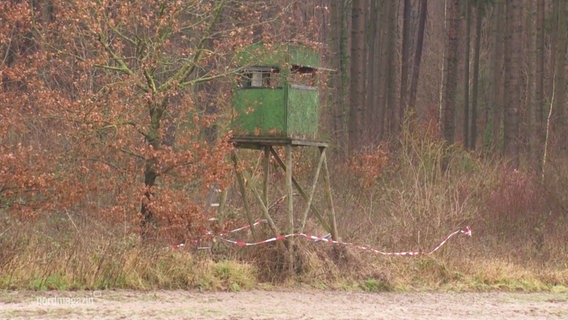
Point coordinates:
[[466, 231], [245, 227], [222, 234]]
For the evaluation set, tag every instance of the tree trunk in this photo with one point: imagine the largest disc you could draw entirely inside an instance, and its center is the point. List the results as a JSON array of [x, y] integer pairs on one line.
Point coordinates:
[[418, 54], [447, 120], [495, 107], [153, 140], [371, 120], [513, 84], [357, 92], [405, 60], [466, 118], [340, 79], [561, 41], [526, 117], [390, 87], [384, 67], [539, 85], [474, 95]]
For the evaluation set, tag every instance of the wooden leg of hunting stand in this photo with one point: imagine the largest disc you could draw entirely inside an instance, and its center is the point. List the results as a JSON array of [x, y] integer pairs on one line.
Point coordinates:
[[290, 191], [334, 234], [244, 194], [318, 215], [312, 191], [263, 206], [266, 165]]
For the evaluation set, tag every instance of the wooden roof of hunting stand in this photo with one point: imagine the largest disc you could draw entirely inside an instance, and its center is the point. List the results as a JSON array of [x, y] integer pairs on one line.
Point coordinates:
[[276, 97]]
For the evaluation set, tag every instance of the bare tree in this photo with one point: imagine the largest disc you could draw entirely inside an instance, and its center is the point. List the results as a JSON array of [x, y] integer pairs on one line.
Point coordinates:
[[406, 61], [479, 14], [560, 39], [513, 84], [539, 101], [357, 91], [466, 108], [418, 53], [339, 58], [447, 120]]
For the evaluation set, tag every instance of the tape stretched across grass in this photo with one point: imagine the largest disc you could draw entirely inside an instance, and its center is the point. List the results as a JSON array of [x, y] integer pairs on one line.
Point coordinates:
[[223, 237]]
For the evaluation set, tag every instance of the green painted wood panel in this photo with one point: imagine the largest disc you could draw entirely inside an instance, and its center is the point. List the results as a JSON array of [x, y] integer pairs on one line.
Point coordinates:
[[287, 111], [302, 112], [259, 112]]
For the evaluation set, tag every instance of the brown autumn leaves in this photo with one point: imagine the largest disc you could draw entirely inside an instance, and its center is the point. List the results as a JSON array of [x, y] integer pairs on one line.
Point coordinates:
[[119, 109]]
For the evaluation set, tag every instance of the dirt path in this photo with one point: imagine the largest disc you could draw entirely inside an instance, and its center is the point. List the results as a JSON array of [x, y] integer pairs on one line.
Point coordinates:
[[257, 304]]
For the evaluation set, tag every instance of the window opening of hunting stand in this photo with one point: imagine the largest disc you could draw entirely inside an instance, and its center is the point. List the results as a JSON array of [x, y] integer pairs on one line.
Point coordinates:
[[261, 77], [302, 76]]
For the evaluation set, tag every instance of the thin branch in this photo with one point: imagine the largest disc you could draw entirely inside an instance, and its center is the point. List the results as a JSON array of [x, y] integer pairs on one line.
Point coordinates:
[[132, 153], [150, 80], [115, 167], [129, 123], [189, 67], [7, 53], [209, 78], [120, 34], [123, 67], [107, 67], [548, 120]]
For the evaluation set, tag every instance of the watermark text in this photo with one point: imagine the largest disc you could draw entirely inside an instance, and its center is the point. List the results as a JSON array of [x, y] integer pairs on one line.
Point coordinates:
[[57, 300]]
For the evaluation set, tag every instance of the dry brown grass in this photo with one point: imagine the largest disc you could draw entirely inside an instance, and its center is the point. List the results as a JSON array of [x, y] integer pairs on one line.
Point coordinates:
[[53, 253]]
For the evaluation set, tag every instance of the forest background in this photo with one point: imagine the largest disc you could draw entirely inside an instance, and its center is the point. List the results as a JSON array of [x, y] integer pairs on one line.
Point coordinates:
[[115, 127]]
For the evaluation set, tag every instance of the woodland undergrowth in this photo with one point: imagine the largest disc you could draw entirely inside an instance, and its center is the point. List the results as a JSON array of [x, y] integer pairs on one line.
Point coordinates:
[[402, 197]]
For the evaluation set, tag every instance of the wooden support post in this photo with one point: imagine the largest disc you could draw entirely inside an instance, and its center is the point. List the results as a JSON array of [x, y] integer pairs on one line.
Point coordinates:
[[312, 191], [221, 210], [289, 189], [268, 218], [326, 219], [265, 212], [271, 223], [318, 215], [290, 192], [244, 193], [334, 234], [263, 205], [266, 165]]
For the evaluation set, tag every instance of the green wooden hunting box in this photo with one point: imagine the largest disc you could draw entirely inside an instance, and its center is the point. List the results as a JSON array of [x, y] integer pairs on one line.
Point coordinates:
[[276, 95]]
